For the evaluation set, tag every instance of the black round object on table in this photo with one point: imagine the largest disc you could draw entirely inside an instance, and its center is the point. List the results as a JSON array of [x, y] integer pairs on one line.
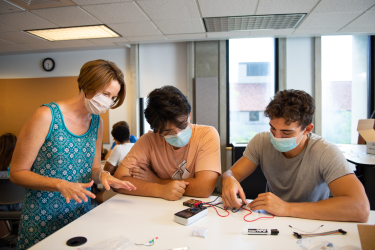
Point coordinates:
[[76, 241]]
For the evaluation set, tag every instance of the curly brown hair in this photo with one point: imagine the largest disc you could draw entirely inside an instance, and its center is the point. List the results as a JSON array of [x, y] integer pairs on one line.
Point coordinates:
[[293, 106]]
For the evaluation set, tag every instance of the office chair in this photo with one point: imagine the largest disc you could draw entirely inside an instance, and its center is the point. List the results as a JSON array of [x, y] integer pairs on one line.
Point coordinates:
[[10, 194]]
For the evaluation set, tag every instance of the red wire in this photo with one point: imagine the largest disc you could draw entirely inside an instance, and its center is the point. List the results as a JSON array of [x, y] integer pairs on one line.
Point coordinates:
[[256, 218], [218, 212]]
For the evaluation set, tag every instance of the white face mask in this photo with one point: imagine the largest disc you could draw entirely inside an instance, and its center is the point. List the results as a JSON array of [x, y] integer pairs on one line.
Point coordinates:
[[98, 104]]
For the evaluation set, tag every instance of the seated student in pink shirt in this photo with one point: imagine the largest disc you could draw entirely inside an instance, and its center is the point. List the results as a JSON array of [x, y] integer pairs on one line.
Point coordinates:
[[177, 158]]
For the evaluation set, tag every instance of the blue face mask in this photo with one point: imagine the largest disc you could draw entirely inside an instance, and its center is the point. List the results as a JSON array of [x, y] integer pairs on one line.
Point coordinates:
[[181, 139], [284, 144]]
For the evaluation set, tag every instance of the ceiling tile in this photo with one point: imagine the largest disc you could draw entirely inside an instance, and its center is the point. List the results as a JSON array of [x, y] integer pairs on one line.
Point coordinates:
[[181, 26], [285, 6], [228, 34], [88, 2], [5, 28], [108, 41], [8, 8], [126, 12], [344, 5], [41, 46], [186, 36], [214, 8], [2, 42], [315, 31], [365, 20], [328, 20], [25, 21], [11, 47], [123, 44], [358, 29], [75, 43], [170, 9], [66, 16], [279, 32], [20, 37], [146, 38], [135, 29]]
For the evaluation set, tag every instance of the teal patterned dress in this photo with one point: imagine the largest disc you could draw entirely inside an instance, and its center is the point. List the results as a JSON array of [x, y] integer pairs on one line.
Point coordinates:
[[64, 156]]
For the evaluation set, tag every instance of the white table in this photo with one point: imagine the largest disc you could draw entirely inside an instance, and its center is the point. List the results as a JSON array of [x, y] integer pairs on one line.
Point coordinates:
[[356, 154], [141, 219]]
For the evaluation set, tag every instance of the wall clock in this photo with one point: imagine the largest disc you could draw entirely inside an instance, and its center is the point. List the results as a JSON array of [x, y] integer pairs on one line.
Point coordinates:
[[48, 64]]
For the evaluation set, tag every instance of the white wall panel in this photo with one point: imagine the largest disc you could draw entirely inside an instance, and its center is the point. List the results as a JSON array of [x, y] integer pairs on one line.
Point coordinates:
[[162, 64], [300, 64]]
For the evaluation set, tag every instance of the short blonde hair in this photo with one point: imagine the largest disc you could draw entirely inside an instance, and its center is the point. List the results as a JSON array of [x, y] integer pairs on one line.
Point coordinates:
[[97, 74]]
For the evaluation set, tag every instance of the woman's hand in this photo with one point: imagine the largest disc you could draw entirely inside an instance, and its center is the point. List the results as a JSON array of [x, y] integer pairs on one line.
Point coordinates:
[[76, 191], [109, 181]]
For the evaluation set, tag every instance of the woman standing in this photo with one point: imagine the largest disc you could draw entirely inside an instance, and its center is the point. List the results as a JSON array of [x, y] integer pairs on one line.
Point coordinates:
[[57, 156]]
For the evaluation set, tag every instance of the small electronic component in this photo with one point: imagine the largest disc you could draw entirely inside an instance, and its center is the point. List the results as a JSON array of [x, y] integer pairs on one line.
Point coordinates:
[[192, 203], [299, 236], [190, 215]]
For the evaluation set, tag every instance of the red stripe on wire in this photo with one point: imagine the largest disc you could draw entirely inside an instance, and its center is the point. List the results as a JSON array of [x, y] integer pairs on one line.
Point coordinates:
[[256, 218], [218, 212]]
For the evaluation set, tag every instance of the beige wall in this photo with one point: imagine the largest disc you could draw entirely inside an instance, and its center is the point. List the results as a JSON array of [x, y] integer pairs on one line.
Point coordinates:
[[19, 98]]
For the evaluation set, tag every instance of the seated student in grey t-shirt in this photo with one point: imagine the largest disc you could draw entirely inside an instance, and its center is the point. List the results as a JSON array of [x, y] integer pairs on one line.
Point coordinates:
[[301, 168]]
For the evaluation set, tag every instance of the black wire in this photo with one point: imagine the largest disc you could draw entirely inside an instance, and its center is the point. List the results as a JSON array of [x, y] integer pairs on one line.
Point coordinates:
[[235, 210], [216, 205], [211, 201]]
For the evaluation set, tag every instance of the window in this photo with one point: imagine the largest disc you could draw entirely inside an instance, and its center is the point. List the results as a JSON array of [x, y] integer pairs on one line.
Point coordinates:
[[257, 68], [344, 86], [251, 86], [144, 126], [254, 116]]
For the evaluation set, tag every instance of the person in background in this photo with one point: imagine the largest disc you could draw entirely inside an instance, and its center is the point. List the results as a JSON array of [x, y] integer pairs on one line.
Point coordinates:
[[301, 168], [57, 156], [133, 139], [7, 145], [177, 158], [121, 135]]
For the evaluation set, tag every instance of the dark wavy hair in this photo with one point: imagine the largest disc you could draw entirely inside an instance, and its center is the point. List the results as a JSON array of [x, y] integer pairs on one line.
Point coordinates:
[[121, 133], [166, 104], [121, 123], [293, 106], [7, 145]]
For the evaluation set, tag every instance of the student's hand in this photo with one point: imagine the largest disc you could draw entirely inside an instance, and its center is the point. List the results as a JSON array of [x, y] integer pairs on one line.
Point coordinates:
[[75, 191], [270, 203], [231, 187], [108, 180], [143, 172], [174, 190]]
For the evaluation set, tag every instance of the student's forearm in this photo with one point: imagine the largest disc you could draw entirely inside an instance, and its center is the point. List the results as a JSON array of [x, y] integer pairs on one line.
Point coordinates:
[[144, 188], [32, 180], [197, 188], [341, 208]]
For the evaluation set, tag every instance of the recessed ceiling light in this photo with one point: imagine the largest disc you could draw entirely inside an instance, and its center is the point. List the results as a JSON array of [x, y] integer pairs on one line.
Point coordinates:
[[265, 22], [74, 33]]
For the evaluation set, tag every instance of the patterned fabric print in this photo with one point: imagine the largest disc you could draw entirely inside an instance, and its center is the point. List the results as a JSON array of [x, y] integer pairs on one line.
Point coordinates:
[[62, 156]]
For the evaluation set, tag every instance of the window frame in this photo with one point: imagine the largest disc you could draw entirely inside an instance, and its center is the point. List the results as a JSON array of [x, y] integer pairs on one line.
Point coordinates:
[[371, 76]]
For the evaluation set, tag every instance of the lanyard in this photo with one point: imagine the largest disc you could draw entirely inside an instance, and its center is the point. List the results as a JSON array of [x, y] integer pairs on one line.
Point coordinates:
[[175, 156]]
